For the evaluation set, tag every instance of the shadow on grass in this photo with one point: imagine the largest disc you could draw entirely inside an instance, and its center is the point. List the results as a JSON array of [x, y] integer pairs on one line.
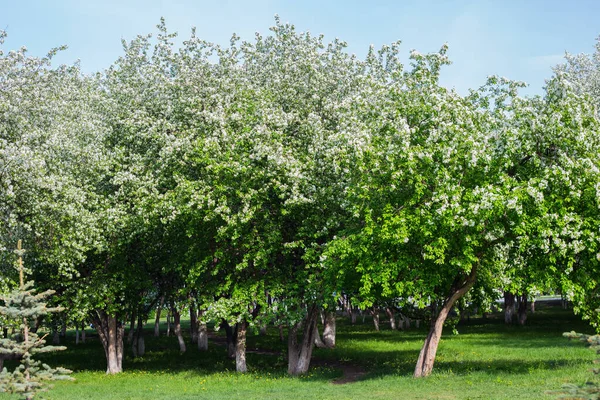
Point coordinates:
[[326, 364], [359, 345]]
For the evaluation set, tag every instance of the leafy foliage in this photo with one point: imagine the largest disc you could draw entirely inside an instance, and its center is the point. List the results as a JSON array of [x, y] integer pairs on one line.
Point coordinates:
[[260, 178], [31, 376]]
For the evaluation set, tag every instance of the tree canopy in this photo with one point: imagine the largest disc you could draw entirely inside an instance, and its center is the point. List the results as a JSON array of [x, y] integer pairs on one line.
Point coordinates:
[[260, 181]]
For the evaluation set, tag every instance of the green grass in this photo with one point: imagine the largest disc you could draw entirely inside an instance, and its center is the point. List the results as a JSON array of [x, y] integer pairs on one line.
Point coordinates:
[[487, 360]]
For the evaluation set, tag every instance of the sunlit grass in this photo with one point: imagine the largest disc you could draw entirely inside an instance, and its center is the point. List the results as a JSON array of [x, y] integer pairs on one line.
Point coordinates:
[[486, 360]]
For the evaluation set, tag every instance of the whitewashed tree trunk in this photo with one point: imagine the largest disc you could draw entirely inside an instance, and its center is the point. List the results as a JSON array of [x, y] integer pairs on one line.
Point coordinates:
[[131, 333], [138, 344], [177, 329], [240, 348], [169, 323], [509, 307], [347, 306], [375, 313], [329, 329], [392, 317], [317, 341], [202, 336], [157, 317], [522, 309], [299, 354]]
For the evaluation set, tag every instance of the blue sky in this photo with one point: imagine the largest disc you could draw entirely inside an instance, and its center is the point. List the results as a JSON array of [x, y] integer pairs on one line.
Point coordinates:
[[517, 39]]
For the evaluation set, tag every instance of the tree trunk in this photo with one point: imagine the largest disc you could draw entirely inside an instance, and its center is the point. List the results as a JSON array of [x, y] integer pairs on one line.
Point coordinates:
[[231, 334], [318, 342], [83, 333], [329, 329], [110, 331], [55, 335], [169, 323], [138, 345], [202, 336], [240, 348], [157, 317], [509, 307], [281, 335], [522, 309], [134, 344], [343, 302], [177, 329], [293, 348], [347, 306], [76, 334], [375, 313], [299, 354], [131, 333], [36, 326], [428, 351], [193, 322], [392, 317]]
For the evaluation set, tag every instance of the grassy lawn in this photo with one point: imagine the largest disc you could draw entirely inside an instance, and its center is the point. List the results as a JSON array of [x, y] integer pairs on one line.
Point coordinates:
[[487, 360]]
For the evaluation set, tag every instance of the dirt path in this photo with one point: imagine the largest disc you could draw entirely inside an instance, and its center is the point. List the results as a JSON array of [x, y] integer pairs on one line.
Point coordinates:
[[350, 373]]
